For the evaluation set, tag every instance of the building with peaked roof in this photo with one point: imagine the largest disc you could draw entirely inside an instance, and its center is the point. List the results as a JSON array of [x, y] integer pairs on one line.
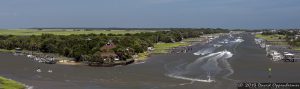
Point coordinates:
[[107, 52]]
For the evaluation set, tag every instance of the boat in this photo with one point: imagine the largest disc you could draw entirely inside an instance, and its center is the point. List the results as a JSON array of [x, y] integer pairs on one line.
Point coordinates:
[[209, 78], [217, 45], [39, 70]]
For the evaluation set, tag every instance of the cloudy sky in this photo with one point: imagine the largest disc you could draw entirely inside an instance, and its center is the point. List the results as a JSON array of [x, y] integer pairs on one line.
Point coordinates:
[[251, 14]]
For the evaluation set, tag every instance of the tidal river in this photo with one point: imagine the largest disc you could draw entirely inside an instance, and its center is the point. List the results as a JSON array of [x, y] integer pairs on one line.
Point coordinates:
[[219, 64]]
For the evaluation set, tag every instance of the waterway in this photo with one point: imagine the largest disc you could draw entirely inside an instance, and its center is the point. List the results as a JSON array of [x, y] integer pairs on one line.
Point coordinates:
[[219, 64]]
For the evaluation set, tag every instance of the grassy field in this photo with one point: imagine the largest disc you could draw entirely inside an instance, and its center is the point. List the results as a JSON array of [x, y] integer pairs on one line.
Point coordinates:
[[143, 56], [65, 31], [6, 51], [164, 47], [271, 37], [10, 84], [277, 39], [296, 48], [160, 48]]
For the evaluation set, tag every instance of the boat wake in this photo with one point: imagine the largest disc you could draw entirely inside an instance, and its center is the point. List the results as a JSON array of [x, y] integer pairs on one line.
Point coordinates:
[[212, 48], [191, 79], [202, 69], [238, 40], [205, 51]]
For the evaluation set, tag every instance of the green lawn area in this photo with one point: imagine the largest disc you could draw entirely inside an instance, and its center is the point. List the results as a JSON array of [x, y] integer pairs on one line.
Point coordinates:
[[161, 48], [10, 84], [164, 47], [65, 31], [296, 48], [6, 51], [270, 37], [143, 56]]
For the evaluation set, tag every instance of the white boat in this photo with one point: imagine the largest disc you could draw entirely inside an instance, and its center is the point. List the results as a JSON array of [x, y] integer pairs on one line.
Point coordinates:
[[217, 45], [209, 80], [275, 56], [39, 70]]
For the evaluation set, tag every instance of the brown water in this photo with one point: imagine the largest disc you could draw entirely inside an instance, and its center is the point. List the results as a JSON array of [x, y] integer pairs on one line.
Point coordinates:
[[243, 61]]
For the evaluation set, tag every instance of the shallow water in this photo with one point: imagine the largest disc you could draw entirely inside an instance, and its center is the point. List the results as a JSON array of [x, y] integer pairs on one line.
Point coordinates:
[[228, 64]]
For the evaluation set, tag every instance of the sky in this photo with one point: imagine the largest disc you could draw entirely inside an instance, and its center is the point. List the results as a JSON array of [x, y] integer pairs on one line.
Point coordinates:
[[232, 14]]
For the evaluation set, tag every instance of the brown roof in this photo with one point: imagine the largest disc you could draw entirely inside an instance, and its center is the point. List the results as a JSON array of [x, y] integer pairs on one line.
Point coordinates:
[[108, 46], [107, 50], [108, 54]]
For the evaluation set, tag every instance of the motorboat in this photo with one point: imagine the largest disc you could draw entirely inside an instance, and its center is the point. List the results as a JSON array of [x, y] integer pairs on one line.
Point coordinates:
[[217, 45], [39, 70]]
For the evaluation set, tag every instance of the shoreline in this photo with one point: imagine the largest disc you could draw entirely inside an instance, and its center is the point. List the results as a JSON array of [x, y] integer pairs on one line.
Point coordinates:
[[62, 60], [159, 48], [185, 43]]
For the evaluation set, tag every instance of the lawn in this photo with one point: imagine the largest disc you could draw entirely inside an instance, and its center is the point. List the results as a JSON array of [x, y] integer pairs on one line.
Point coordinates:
[[160, 48], [6, 51], [164, 47], [65, 31], [10, 84], [296, 48], [143, 56], [275, 37]]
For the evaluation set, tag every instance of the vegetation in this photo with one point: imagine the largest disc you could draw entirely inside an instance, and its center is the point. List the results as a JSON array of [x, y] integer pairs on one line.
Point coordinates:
[[66, 31], [86, 47], [273, 37], [164, 47], [6, 51], [143, 56], [10, 84], [290, 37]]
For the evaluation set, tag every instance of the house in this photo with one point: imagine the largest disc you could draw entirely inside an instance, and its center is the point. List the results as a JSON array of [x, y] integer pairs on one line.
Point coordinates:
[[295, 37], [107, 53]]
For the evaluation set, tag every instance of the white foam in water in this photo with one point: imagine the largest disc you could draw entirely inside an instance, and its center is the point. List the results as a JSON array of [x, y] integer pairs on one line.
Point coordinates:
[[199, 60], [191, 79], [140, 62], [211, 65], [205, 51], [29, 87], [225, 41], [228, 67], [239, 40]]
